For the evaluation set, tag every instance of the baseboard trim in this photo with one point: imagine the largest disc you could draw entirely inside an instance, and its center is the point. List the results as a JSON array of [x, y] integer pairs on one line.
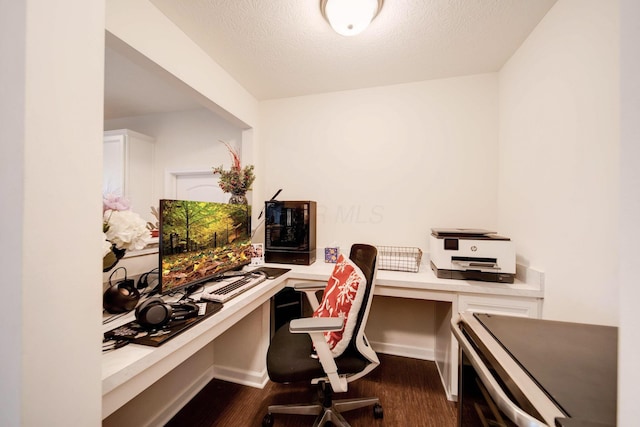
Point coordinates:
[[404, 350], [256, 379], [259, 379]]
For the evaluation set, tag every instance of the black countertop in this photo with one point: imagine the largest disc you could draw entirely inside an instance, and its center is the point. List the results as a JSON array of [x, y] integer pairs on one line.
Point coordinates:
[[576, 364]]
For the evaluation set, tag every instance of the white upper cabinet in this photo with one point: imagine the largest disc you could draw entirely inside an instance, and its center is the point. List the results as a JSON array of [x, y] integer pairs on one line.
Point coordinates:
[[128, 166]]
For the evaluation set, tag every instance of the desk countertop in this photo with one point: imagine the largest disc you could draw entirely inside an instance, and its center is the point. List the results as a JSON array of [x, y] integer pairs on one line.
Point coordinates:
[[134, 355], [528, 283]]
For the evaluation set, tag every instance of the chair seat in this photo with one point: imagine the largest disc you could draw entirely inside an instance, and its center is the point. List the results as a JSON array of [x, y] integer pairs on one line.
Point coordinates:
[[283, 368]]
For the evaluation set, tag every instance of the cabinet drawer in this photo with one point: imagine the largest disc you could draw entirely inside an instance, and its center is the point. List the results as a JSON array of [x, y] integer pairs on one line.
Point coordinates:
[[510, 306]]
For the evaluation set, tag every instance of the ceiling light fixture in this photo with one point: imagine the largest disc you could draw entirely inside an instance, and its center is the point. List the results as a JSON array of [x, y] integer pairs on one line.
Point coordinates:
[[350, 17]]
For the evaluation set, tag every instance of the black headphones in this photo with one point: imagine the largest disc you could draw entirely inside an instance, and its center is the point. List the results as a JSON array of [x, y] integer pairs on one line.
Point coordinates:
[[154, 313], [122, 296]]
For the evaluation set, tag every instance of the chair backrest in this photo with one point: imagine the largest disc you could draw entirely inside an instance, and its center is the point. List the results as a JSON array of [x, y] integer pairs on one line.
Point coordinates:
[[365, 257]]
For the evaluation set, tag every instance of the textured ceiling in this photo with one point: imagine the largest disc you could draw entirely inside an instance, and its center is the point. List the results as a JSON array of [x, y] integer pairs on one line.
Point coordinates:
[[284, 48]]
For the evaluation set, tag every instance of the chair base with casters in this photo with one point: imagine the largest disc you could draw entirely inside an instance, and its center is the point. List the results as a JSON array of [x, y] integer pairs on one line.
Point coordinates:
[[326, 409], [299, 351]]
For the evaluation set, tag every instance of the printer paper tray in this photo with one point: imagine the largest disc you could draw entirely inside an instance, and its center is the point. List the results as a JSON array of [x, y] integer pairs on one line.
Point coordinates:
[[476, 265], [482, 276]]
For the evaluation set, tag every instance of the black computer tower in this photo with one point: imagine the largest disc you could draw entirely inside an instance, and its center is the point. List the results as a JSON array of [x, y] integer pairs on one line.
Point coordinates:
[[286, 306], [290, 232]]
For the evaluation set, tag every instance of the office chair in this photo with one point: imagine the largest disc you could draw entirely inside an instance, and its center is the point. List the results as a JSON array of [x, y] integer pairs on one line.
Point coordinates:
[[299, 350]]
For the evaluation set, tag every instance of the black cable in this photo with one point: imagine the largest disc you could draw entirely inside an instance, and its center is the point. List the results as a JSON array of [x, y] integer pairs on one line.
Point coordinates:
[[110, 344], [114, 317], [271, 200], [255, 230], [143, 280], [191, 290]]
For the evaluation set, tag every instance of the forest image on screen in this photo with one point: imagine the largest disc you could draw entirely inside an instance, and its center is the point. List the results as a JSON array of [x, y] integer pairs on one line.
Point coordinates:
[[200, 240]]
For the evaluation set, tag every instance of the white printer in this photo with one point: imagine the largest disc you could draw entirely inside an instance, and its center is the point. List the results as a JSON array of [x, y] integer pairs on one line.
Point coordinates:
[[472, 254]]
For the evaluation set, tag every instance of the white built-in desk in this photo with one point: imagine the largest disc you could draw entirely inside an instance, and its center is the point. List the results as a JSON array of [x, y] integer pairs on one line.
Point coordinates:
[[128, 371]]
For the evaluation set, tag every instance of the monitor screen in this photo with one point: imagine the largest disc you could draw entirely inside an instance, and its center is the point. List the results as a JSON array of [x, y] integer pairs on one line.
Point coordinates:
[[201, 240]]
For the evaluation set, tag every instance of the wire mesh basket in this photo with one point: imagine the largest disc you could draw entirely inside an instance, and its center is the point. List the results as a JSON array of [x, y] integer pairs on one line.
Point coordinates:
[[399, 258]]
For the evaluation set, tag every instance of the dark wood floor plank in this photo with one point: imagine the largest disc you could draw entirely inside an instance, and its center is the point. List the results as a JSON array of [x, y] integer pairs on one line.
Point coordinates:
[[410, 391]]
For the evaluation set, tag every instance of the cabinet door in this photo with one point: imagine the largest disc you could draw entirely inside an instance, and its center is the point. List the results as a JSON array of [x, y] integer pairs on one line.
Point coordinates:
[[113, 165], [128, 169], [510, 306]]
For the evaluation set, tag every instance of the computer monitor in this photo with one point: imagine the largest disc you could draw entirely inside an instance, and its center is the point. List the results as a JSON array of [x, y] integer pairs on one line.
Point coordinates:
[[201, 240]]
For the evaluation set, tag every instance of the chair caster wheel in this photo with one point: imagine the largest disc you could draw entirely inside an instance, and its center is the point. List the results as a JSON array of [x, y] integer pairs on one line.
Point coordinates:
[[378, 413], [267, 421]]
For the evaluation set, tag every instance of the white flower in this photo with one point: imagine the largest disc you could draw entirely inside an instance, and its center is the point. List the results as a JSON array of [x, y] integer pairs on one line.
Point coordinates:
[[126, 229], [115, 202]]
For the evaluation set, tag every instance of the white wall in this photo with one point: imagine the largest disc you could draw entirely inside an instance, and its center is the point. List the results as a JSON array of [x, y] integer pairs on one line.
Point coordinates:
[[559, 146], [51, 105], [387, 164], [629, 229]]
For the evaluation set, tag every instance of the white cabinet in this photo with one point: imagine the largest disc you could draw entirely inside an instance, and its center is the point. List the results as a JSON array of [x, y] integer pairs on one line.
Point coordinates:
[[128, 159]]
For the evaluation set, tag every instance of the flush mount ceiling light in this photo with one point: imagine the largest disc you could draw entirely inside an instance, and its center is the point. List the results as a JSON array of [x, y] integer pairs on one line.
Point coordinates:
[[350, 17]]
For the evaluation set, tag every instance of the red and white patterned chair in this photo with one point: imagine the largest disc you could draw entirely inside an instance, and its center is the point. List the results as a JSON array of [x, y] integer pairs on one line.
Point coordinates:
[[329, 349]]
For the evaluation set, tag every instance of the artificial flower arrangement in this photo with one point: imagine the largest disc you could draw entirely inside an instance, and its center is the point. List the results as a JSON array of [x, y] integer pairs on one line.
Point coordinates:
[[236, 180], [123, 230]]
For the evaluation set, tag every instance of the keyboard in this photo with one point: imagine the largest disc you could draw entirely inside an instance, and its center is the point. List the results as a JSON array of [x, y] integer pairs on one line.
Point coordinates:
[[224, 291]]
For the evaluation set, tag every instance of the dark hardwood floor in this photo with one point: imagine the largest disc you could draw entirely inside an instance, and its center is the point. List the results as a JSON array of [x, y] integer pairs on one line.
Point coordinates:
[[410, 392]]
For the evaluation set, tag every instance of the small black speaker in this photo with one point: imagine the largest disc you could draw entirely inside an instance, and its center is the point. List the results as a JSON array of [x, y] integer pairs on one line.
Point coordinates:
[[121, 297]]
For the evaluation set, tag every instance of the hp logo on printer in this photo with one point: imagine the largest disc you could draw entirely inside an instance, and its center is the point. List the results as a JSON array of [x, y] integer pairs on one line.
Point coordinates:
[[474, 248]]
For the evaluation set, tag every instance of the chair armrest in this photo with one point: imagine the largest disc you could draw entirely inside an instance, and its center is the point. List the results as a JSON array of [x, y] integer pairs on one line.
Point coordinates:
[[316, 324]]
